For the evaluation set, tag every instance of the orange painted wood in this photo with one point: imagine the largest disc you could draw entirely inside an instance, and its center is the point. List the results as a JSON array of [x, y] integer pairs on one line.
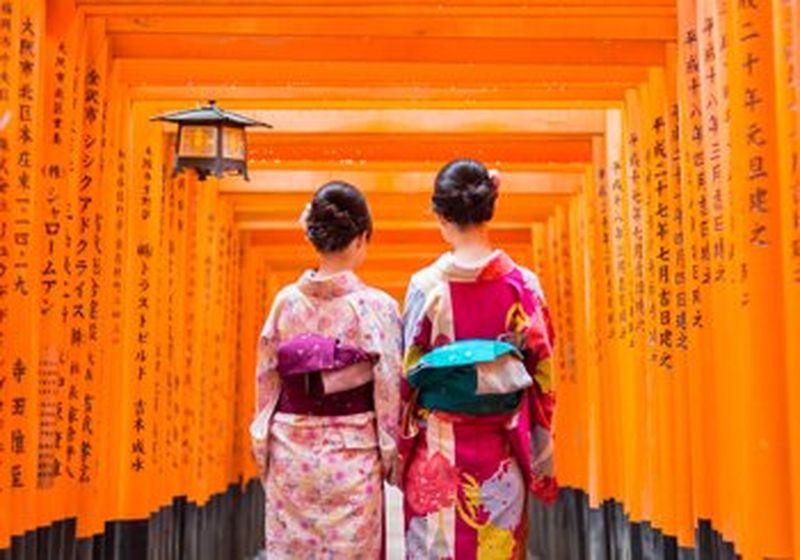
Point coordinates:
[[478, 96], [475, 121], [526, 208], [572, 26], [506, 148], [193, 71], [262, 44], [379, 182], [693, 192], [755, 168], [786, 18], [19, 292], [369, 6]]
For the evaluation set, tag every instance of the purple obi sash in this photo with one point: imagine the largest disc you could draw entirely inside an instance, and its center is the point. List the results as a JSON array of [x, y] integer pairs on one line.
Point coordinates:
[[321, 377]]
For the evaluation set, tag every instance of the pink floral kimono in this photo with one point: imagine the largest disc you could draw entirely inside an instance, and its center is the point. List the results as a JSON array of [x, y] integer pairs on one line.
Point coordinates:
[[328, 382], [476, 428]]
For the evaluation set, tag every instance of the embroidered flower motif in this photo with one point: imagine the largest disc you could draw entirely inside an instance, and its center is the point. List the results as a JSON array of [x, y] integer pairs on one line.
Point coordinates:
[[503, 496], [432, 484]]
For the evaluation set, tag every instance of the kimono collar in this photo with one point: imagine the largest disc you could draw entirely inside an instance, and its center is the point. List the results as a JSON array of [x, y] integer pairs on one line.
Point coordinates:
[[495, 265], [329, 287]]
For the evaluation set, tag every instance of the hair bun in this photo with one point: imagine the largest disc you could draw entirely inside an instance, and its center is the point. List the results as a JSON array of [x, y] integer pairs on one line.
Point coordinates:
[[337, 215], [464, 193]]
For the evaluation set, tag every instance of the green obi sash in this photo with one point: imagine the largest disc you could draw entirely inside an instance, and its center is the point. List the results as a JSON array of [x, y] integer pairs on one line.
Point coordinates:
[[448, 377]]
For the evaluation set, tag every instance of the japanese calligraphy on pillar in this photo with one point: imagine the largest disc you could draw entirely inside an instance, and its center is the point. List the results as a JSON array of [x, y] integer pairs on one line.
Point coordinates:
[[6, 270], [240, 407], [693, 175], [144, 295], [142, 360], [565, 257], [234, 358], [660, 192], [25, 186], [54, 172], [636, 219], [171, 351], [712, 48], [696, 243], [602, 265], [118, 248], [109, 413], [159, 331], [52, 229], [617, 207], [23, 202], [88, 264], [678, 279], [218, 393], [187, 222], [206, 219], [751, 46], [178, 193]]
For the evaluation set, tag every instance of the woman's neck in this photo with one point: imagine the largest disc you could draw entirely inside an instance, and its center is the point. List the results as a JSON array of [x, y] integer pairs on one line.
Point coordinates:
[[333, 264], [472, 244]]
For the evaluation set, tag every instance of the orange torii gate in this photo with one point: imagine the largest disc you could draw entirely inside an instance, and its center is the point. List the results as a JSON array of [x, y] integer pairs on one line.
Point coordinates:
[[650, 161]]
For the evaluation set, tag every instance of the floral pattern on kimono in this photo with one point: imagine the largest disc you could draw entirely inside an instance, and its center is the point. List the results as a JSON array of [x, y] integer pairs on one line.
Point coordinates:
[[476, 470], [323, 475]]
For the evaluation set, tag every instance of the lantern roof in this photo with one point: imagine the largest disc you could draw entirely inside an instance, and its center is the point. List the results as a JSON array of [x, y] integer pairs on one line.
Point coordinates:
[[210, 113]]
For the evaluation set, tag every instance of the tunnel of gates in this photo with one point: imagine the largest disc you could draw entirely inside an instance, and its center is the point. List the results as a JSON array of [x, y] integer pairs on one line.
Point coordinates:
[[662, 217]]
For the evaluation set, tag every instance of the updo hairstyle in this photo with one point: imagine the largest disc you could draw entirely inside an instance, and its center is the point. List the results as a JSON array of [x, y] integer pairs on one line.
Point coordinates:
[[464, 193], [337, 214]]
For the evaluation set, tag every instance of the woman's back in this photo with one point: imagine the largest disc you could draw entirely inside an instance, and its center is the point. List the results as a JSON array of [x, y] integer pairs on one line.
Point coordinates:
[[481, 299], [328, 394], [477, 390]]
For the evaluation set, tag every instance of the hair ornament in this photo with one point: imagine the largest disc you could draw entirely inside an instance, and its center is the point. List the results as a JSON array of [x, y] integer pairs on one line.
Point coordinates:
[[494, 177]]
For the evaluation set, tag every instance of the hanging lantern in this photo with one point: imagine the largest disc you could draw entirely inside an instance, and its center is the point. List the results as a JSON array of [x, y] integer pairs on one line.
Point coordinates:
[[210, 140]]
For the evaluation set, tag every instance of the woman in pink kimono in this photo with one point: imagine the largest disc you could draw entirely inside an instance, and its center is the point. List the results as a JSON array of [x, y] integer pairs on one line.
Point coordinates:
[[328, 381], [476, 430]]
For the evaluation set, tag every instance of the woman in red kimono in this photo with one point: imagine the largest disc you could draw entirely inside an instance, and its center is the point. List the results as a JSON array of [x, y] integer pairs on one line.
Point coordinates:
[[476, 434]]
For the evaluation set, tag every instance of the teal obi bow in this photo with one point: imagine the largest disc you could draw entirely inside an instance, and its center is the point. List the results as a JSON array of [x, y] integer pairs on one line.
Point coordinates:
[[448, 377]]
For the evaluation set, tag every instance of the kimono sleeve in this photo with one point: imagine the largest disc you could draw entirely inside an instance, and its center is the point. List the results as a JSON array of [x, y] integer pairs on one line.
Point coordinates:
[[539, 338], [267, 385], [417, 328], [388, 371], [539, 352], [537, 341]]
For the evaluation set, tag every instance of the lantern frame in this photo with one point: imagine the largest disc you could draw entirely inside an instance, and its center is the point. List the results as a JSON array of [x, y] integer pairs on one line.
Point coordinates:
[[220, 120]]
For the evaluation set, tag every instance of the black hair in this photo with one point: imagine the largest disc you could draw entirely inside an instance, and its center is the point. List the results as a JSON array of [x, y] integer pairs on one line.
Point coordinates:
[[464, 193], [338, 214]]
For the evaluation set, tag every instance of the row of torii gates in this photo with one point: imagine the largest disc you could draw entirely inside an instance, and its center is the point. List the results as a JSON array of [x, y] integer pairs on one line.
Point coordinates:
[[651, 176]]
